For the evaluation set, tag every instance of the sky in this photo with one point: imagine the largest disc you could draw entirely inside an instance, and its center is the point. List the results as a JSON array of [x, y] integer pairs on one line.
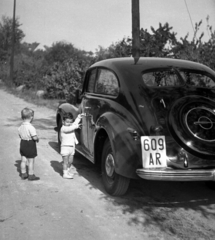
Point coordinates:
[[88, 24]]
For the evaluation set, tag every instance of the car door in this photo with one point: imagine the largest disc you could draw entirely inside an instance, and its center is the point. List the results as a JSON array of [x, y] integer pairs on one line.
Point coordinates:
[[83, 132], [106, 88], [85, 109]]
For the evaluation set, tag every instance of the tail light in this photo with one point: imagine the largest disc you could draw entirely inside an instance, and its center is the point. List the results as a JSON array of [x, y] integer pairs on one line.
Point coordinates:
[[134, 133]]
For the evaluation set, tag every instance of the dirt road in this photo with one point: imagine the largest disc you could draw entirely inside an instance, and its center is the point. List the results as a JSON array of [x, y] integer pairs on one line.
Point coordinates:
[[56, 208]]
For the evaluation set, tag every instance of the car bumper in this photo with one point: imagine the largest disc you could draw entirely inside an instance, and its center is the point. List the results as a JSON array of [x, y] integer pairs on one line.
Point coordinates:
[[168, 174]]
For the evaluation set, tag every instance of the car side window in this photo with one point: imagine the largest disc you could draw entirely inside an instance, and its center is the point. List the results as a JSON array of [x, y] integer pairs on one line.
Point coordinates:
[[107, 83], [197, 79], [91, 81], [163, 78]]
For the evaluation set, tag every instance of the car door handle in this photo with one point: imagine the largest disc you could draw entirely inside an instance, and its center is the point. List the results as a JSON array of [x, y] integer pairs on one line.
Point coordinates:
[[87, 108]]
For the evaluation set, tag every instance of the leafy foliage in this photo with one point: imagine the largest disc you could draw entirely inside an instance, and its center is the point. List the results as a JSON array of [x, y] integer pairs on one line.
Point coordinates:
[[67, 66], [59, 69], [63, 79], [6, 36], [162, 42]]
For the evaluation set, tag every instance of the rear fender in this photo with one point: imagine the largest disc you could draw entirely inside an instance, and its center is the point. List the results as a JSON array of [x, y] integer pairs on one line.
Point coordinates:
[[127, 151], [64, 108]]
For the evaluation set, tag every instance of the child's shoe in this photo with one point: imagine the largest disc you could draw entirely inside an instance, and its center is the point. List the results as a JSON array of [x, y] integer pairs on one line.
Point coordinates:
[[24, 176], [33, 178], [71, 174], [72, 169], [67, 175]]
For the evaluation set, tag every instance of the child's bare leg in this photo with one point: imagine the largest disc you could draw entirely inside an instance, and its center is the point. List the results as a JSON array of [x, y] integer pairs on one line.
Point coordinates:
[[23, 164], [31, 166], [65, 167], [71, 158], [65, 162], [31, 176], [70, 170]]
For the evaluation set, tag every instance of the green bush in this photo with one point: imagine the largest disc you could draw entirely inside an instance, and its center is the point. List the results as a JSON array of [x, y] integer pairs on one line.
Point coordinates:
[[63, 80]]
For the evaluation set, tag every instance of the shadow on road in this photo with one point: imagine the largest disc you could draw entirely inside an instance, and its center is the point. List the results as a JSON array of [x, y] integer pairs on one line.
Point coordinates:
[[89, 171], [17, 165], [152, 202], [159, 193], [57, 166], [55, 146], [83, 167]]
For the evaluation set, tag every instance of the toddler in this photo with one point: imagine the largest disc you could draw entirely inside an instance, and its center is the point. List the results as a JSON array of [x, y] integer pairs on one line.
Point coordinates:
[[28, 148], [68, 141]]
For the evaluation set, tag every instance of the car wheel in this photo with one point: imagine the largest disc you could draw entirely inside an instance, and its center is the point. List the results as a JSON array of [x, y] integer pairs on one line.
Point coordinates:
[[114, 183], [191, 123]]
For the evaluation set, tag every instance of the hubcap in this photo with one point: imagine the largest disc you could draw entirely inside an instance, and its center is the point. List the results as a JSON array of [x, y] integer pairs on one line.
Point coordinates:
[[200, 121], [109, 165]]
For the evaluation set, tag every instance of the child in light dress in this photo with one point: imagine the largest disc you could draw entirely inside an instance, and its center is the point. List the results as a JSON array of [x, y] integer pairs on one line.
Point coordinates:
[[68, 142]]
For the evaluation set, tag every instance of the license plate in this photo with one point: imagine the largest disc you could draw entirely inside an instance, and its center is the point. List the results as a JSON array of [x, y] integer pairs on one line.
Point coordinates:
[[153, 151]]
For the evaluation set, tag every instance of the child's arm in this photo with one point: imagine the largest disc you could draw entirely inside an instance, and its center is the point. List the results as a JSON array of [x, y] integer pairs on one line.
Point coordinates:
[[35, 138], [33, 134], [76, 124], [78, 119], [69, 129]]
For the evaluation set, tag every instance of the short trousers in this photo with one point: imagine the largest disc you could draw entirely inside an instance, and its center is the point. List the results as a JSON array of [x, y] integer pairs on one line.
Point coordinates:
[[67, 150], [28, 149]]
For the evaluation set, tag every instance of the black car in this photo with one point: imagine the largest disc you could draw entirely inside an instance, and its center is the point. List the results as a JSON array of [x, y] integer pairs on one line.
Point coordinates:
[[153, 120]]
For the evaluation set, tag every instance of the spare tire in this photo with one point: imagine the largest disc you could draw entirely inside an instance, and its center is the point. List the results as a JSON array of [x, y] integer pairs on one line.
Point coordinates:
[[192, 123]]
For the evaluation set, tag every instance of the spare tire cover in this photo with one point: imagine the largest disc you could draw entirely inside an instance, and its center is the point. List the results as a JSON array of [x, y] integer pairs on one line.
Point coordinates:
[[192, 123]]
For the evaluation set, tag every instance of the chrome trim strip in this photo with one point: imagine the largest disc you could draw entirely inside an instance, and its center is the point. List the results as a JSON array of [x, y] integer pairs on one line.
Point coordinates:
[[167, 174]]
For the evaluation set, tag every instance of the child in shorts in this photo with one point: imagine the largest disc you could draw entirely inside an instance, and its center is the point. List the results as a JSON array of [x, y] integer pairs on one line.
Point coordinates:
[[28, 148], [68, 141]]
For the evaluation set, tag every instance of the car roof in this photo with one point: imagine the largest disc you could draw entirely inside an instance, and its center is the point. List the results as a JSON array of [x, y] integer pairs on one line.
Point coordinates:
[[145, 63]]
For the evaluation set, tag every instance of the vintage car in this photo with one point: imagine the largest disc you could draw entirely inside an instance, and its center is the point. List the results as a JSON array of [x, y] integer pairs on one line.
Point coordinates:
[[153, 120]]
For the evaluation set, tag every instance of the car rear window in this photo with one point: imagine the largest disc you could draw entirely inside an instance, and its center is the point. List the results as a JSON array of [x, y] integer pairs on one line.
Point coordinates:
[[162, 78], [178, 77], [197, 79]]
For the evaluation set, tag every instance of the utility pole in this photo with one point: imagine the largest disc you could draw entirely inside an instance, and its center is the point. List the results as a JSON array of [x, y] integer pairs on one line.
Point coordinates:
[[13, 42], [135, 30]]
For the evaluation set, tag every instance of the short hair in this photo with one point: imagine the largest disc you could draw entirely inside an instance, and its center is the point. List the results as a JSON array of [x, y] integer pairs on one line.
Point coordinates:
[[67, 115], [27, 113]]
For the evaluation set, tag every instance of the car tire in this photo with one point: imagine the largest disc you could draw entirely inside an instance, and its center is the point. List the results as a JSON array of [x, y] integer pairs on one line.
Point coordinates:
[[114, 183]]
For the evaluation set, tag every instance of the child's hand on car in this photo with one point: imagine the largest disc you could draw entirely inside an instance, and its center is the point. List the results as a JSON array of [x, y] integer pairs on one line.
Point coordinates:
[[81, 115]]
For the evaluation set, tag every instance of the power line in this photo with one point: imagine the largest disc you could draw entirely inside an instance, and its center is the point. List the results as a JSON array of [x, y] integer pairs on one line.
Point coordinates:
[[189, 16]]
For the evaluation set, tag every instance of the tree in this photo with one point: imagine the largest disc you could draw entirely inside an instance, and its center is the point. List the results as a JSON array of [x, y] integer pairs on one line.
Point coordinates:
[[162, 42], [61, 51], [67, 66], [63, 79], [158, 43], [6, 36]]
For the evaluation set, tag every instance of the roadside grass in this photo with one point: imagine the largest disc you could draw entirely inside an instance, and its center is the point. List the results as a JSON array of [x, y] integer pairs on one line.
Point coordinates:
[[30, 96]]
